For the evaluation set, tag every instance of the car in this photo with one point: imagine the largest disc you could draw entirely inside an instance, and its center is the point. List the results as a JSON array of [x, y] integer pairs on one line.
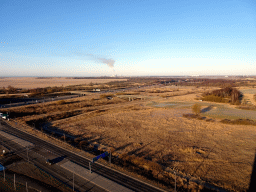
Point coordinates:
[[49, 162], [5, 116]]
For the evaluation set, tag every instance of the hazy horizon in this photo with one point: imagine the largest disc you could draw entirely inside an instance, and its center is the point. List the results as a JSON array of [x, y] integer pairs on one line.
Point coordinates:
[[131, 38]]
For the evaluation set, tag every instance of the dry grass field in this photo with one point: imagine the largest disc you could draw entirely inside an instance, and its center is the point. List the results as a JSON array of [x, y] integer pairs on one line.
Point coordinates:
[[34, 82], [145, 136]]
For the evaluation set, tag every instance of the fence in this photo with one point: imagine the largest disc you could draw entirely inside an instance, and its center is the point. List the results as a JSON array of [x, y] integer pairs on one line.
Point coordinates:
[[8, 183]]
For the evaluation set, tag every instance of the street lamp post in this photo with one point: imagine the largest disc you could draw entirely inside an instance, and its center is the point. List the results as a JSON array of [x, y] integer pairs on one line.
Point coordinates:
[[110, 156], [175, 181], [14, 183], [73, 180], [27, 154]]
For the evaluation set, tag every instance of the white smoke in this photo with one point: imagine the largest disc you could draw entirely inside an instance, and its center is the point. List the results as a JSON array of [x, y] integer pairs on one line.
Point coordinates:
[[109, 62]]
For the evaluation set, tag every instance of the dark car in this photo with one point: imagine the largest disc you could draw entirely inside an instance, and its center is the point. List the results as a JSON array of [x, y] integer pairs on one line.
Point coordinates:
[[49, 162]]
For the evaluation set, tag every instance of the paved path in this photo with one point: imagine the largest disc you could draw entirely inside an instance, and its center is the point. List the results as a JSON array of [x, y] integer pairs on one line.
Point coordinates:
[[17, 140], [94, 178]]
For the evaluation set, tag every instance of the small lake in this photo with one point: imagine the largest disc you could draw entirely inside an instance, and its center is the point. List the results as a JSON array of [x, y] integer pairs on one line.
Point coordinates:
[[171, 104], [225, 112], [248, 91], [220, 111]]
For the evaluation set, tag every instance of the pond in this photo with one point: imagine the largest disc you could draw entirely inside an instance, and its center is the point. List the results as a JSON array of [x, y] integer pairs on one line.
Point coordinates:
[[230, 113], [217, 110], [248, 91], [172, 104]]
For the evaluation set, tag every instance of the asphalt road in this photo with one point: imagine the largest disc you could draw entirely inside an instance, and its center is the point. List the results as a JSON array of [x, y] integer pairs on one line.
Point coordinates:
[[49, 99], [66, 177], [106, 172], [35, 101]]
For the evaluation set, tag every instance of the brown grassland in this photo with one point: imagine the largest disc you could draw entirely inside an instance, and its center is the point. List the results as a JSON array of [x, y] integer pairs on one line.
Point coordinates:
[[153, 141], [33, 82]]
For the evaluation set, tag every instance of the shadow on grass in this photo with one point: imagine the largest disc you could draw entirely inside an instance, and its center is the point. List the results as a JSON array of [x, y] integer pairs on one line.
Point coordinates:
[[135, 151], [204, 110], [79, 141], [123, 146]]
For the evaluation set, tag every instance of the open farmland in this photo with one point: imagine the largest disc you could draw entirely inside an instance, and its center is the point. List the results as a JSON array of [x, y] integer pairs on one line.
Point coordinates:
[[35, 82], [140, 127]]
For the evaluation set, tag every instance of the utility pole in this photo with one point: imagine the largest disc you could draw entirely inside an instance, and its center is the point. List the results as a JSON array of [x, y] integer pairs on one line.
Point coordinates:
[[110, 157], [187, 183], [175, 181], [90, 167], [14, 183], [27, 154], [4, 175], [26, 186], [74, 179]]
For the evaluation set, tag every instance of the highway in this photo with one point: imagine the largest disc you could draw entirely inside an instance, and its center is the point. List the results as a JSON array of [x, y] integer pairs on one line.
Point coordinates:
[[116, 176], [34, 155], [57, 98], [36, 101]]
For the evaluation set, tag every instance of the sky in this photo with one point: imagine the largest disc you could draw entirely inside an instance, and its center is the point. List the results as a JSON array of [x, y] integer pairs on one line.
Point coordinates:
[[127, 38]]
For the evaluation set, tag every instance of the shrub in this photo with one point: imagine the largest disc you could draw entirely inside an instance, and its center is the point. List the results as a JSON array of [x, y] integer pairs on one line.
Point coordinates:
[[78, 139], [61, 102], [213, 98], [188, 115], [248, 107], [239, 122], [106, 95], [237, 102], [196, 108], [128, 93]]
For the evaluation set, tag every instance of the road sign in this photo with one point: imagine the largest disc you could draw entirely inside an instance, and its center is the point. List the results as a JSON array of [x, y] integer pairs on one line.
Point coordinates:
[[100, 156], [2, 167]]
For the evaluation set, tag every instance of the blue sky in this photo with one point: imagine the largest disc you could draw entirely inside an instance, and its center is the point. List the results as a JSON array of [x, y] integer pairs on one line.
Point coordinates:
[[130, 38]]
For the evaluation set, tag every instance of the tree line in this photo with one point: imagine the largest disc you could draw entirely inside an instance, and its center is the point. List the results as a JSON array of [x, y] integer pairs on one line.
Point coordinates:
[[225, 95]]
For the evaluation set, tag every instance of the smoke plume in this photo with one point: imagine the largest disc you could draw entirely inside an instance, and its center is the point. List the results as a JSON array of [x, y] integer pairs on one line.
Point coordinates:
[[109, 62]]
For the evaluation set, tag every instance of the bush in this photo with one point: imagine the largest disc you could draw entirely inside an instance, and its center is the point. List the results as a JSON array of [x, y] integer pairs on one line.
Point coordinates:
[[61, 102], [128, 93], [106, 95], [248, 107], [213, 98], [239, 122], [188, 115], [196, 108], [237, 102]]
